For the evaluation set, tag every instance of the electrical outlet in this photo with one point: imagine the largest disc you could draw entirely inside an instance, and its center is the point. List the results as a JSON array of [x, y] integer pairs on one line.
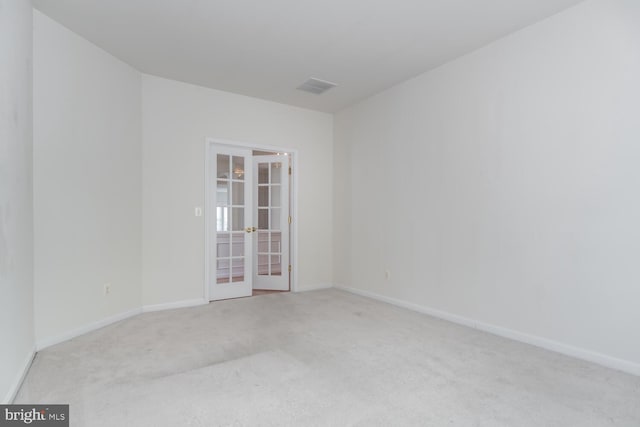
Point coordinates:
[[107, 289]]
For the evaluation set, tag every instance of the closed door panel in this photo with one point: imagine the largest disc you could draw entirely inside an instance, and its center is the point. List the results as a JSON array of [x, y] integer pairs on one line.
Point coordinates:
[[231, 216]]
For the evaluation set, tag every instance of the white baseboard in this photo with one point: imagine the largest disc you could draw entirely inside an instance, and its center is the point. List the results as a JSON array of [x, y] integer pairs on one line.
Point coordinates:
[[48, 342], [558, 347], [17, 382], [172, 305], [315, 287]]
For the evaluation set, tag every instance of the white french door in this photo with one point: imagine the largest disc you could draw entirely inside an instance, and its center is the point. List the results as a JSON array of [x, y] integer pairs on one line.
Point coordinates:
[[271, 206], [231, 218], [248, 217]]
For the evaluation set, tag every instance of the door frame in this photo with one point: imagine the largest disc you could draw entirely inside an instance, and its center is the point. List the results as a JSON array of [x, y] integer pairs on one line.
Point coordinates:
[[293, 207]]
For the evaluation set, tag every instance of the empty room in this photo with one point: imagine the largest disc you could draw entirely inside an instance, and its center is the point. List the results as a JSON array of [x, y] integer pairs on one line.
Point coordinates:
[[336, 213]]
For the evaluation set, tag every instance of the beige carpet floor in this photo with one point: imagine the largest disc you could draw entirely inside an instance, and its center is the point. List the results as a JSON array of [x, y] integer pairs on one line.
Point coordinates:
[[323, 358]]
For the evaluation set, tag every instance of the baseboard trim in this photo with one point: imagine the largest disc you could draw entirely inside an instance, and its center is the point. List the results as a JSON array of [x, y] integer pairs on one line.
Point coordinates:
[[316, 287], [48, 342], [555, 346], [173, 305], [19, 379]]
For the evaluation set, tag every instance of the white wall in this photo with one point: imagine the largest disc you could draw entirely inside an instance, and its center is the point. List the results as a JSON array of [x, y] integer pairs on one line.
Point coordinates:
[[91, 183], [177, 118], [16, 195], [503, 187], [87, 182]]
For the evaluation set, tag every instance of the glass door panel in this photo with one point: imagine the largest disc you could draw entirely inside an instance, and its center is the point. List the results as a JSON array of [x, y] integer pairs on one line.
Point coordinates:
[[248, 215], [230, 275], [272, 209]]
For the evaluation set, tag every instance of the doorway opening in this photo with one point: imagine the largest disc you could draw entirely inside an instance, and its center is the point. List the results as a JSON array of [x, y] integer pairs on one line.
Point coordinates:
[[250, 238]]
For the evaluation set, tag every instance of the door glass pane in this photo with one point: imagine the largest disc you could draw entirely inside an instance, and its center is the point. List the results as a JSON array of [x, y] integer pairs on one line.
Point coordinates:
[[238, 193], [222, 270], [263, 173], [237, 219], [263, 196], [222, 193], [222, 218], [275, 219], [238, 168], [275, 196], [276, 170], [222, 245], [276, 265], [237, 244], [263, 265], [263, 241], [276, 238], [222, 170], [263, 219], [238, 270]]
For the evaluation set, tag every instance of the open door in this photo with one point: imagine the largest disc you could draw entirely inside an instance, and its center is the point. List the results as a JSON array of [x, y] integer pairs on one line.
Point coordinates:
[[231, 218], [248, 222], [271, 201]]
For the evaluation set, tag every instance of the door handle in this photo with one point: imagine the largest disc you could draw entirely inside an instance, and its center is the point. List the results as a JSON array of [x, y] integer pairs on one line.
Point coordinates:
[[250, 229]]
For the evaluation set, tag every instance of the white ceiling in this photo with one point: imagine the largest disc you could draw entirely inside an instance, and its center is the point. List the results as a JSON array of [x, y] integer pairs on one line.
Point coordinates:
[[266, 48]]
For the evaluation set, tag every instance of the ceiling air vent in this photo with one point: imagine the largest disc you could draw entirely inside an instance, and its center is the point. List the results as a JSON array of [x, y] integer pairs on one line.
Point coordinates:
[[316, 86]]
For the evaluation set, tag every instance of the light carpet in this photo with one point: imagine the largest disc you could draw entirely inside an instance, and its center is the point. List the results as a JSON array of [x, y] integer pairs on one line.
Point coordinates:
[[323, 358]]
